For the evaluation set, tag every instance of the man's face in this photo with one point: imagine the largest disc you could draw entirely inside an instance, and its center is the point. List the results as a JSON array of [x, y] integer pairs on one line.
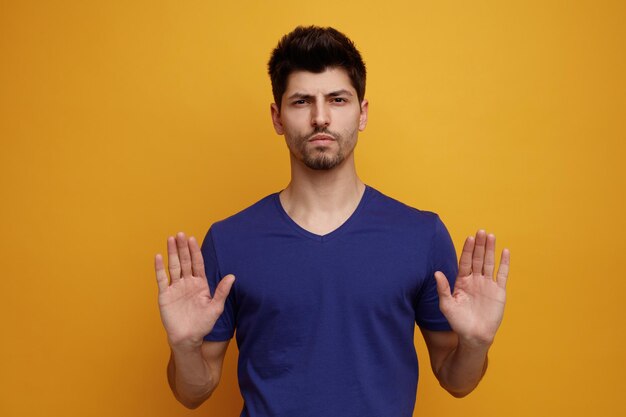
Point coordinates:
[[320, 117]]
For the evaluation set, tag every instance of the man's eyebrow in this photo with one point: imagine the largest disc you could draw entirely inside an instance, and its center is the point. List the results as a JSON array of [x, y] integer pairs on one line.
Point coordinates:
[[299, 95], [342, 92]]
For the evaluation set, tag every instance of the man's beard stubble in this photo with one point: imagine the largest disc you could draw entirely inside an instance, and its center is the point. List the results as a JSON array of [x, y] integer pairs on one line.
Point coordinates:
[[322, 161], [320, 158]]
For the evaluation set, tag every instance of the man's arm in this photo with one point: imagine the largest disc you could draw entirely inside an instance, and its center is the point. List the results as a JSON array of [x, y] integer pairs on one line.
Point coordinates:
[[193, 373], [189, 312], [458, 367], [474, 310]]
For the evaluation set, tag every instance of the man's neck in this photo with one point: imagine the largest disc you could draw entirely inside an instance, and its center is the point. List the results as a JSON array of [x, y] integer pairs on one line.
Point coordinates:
[[321, 200]]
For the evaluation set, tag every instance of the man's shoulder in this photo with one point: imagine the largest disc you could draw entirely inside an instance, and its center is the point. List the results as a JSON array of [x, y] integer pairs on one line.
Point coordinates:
[[396, 210], [252, 216], [407, 224]]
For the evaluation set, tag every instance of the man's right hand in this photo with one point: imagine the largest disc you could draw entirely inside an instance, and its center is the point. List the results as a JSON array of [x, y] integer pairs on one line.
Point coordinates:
[[187, 309]]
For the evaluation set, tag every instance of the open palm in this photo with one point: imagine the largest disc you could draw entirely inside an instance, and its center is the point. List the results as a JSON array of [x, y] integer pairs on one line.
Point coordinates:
[[475, 307], [187, 309]]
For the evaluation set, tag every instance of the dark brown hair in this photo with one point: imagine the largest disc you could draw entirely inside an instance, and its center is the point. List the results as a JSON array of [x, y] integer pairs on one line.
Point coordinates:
[[315, 49]]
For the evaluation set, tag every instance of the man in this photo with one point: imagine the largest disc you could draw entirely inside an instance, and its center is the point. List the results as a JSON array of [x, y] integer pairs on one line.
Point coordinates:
[[331, 274]]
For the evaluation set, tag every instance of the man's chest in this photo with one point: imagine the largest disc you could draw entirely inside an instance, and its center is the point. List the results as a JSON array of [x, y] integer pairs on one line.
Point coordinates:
[[302, 281]]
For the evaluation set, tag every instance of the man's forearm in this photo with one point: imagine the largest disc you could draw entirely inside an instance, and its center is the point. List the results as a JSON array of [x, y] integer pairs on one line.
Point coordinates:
[[190, 377], [463, 369]]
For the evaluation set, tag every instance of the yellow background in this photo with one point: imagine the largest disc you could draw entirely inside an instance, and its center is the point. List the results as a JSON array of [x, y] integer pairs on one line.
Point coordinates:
[[124, 122]]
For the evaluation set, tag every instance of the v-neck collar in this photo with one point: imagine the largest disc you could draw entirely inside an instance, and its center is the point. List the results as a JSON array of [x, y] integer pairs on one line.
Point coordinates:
[[328, 236]]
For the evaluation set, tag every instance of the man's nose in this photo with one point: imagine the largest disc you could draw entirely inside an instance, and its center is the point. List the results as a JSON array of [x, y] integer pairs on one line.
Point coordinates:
[[321, 115]]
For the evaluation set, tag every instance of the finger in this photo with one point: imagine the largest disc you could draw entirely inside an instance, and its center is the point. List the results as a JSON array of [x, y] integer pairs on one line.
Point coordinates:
[[465, 263], [479, 252], [161, 276], [173, 263], [223, 288], [197, 263], [443, 287], [503, 268], [490, 257], [183, 253]]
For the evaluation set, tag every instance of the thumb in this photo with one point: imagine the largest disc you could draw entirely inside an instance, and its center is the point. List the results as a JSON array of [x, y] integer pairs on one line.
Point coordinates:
[[223, 289], [443, 286]]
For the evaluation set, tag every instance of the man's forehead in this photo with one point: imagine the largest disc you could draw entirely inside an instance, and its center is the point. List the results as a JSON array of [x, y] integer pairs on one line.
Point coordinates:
[[330, 80]]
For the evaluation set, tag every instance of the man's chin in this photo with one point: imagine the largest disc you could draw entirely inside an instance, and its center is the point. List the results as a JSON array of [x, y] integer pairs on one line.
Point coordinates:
[[322, 164]]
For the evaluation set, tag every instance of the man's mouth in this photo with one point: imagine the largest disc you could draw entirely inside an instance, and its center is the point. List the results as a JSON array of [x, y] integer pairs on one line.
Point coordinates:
[[321, 138]]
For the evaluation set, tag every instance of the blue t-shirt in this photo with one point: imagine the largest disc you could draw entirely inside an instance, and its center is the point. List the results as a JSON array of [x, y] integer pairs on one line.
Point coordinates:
[[325, 324]]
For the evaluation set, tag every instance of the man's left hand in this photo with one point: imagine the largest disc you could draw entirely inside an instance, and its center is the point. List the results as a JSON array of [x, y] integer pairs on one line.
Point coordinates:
[[476, 306]]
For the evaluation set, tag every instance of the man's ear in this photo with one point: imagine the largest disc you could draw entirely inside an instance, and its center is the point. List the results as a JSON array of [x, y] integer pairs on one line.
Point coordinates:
[[278, 124], [363, 116]]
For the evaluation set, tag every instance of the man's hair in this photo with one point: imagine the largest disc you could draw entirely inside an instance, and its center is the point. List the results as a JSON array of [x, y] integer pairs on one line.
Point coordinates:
[[315, 49]]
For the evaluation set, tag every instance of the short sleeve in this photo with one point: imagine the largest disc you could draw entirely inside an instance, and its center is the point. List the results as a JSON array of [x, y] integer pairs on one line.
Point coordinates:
[[224, 328], [442, 257]]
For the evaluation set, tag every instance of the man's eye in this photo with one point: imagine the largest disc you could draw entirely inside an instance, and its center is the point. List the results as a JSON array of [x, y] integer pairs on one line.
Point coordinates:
[[339, 100], [299, 102]]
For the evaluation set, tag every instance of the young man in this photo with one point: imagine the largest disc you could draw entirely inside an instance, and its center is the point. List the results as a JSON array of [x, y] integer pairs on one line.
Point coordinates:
[[331, 274]]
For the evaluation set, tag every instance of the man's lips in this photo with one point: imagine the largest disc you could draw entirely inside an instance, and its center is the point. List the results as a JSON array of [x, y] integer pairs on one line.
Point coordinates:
[[321, 138]]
